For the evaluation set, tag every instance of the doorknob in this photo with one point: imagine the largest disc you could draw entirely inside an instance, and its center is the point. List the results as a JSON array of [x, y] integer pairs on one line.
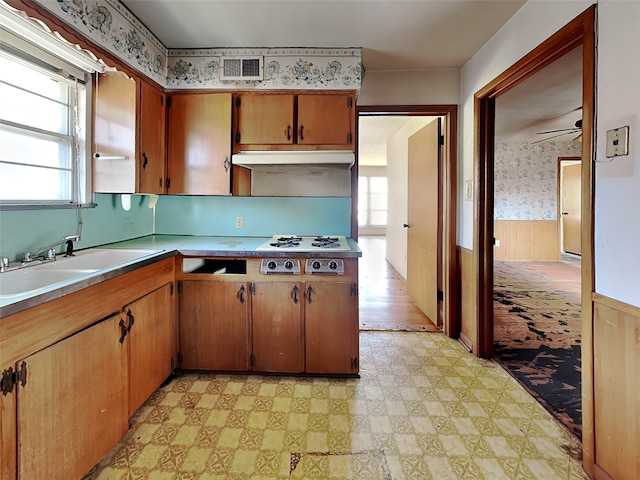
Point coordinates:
[[405, 225]]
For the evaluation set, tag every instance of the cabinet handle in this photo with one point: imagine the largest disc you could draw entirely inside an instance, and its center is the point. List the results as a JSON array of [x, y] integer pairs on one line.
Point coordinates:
[[287, 132], [123, 330], [301, 135], [354, 290], [131, 318], [226, 164], [309, 294], [160, 182], [146, 160], [294, 294], [168, 183], [240, 294]]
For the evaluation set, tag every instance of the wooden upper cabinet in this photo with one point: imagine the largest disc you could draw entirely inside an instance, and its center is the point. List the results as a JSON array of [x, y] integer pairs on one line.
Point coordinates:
[[325, 119], [129, 136], [199, 146], [151, 151], [114, 134], [265, 119], [275, 121]]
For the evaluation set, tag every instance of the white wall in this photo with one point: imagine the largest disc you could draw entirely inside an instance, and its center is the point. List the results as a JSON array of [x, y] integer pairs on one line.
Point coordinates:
[[617, 190], [617, 183], [397, 168], [529, 27], [424, 87]]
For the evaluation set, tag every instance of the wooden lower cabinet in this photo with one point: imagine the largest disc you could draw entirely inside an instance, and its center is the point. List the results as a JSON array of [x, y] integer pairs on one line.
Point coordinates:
[[214, 325], [277, 339], [331, 328], [151, 338], [73, 407]]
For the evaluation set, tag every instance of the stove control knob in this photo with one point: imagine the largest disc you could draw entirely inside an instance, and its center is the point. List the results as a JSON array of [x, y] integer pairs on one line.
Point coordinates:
[[316, 265], [271, 265], [333, 265], [288, 264]]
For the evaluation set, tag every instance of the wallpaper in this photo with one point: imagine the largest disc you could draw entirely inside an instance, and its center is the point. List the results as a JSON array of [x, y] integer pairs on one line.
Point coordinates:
[[526, 179], [109, 24]]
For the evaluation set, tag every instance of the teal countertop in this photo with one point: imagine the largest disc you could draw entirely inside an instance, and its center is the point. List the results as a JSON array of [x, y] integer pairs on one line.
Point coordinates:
[[160, 247], [214, 246]]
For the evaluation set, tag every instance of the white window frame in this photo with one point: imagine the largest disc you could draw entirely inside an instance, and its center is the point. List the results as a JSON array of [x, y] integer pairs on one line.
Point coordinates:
[[367, 178], [28, 43]]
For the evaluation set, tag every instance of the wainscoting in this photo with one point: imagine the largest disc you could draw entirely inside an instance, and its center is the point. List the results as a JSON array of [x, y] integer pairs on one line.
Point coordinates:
[[526, 240], [617, 388], [467, 290]]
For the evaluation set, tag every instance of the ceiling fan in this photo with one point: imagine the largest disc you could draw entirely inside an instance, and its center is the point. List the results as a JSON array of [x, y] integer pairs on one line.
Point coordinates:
[[577, 128]]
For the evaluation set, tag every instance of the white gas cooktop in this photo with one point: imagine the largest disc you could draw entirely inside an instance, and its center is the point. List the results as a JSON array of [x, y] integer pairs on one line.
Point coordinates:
[[302, 243]]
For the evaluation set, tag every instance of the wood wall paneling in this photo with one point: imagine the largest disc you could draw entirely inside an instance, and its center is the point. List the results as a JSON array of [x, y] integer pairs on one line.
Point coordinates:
[[467, 289], [526, 240], [617, 388]]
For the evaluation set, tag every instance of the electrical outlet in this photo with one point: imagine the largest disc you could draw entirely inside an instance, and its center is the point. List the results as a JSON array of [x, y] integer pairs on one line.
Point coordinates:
[[239, 222], [497, 243]]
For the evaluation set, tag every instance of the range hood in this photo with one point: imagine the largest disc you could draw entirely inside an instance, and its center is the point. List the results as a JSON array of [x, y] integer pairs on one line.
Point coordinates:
[[250, 159]]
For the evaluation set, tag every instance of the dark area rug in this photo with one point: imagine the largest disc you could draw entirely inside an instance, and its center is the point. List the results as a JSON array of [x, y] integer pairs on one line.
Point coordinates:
[[552, 375], [537, 333]]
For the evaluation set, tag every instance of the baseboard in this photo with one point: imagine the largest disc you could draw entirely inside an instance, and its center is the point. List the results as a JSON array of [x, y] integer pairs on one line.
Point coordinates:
[[468, 344], [600, 474]]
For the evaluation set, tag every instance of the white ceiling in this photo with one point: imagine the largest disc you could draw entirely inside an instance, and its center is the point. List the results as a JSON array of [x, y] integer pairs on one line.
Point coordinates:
[[393, 35]]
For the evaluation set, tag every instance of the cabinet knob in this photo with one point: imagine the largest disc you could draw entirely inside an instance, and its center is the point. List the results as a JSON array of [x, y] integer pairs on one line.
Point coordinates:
[[405, 225], [226, 164]]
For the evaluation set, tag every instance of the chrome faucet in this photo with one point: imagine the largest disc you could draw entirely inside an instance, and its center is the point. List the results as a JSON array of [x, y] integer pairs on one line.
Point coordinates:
[[49, 252]]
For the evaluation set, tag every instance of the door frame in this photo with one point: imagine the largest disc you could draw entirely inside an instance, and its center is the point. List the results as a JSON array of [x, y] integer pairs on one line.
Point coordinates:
[[580, 31], [559, 216], [448, 310]]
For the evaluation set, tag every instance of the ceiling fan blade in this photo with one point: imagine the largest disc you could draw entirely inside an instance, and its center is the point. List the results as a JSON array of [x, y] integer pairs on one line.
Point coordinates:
[[555, 136], [573, 129]]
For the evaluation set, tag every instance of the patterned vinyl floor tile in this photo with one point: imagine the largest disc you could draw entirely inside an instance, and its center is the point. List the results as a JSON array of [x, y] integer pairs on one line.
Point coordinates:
[[423, 408]]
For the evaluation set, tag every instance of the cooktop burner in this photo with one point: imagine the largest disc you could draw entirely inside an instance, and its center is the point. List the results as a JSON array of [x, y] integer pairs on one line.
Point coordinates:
[[300, 243], [286, 242]]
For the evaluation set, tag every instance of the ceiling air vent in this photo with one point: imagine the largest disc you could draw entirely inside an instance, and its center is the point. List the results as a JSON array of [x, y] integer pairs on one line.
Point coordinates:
[[241, 68]]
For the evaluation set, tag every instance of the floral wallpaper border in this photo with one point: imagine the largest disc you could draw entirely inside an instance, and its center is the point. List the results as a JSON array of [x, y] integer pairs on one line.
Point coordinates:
[[112, 26], [526, 178]]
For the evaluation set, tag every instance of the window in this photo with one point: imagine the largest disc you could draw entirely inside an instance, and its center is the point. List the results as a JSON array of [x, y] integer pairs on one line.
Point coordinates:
[[43, 124], [372, 201]]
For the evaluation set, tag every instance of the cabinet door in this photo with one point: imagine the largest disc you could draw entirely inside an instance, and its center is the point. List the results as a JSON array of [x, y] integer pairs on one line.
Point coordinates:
[[151, 161], [214, 325], [265, 120], [325, 119], [8, 431], [73, 407], [114, 134], [199, 134], [331, 327], [277, 332], [151, 343]]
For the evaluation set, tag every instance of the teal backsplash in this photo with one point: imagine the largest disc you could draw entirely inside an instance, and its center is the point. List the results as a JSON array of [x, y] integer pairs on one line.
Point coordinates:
[[29, 230], [263, 216]]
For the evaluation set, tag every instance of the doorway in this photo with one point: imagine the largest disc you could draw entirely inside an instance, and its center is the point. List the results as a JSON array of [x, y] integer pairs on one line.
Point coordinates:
[[447, 316], [579, 32]]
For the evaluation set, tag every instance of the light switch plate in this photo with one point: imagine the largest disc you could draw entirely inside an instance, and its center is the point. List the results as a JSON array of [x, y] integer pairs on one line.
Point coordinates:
[[617, 142], [468, 190]]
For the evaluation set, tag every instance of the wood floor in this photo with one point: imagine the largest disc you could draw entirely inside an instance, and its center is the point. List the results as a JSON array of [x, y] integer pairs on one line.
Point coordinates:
[[384, 302]]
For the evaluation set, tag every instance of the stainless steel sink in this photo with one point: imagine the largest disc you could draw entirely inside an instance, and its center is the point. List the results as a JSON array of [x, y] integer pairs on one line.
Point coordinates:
[[66, 270], [25, 280], [100, 258]]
